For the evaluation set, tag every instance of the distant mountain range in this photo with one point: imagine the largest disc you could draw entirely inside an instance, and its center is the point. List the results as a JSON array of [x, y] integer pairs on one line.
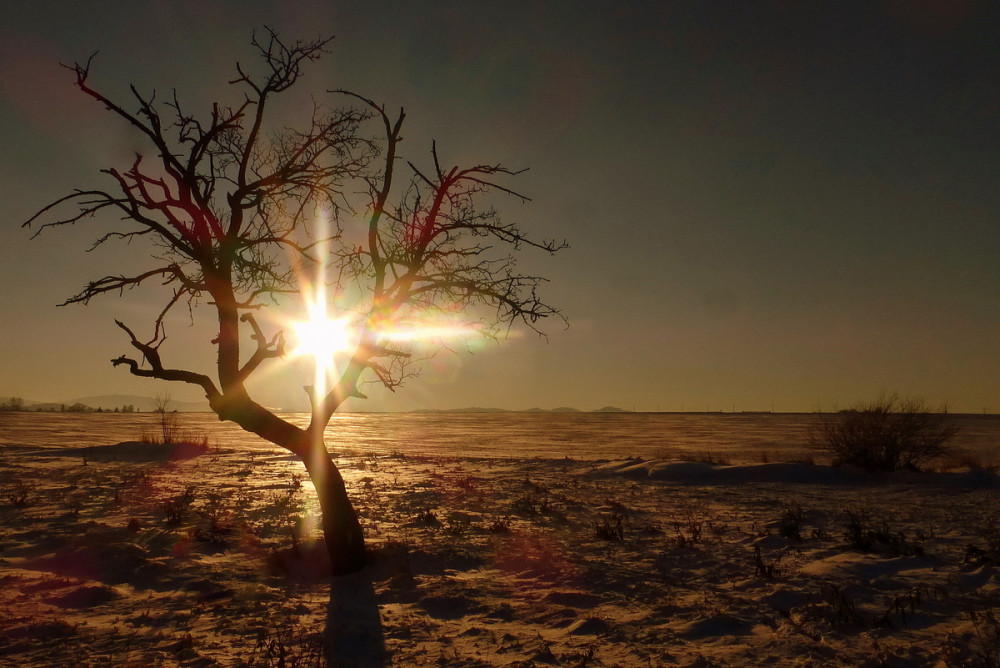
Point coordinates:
[[144, 404]]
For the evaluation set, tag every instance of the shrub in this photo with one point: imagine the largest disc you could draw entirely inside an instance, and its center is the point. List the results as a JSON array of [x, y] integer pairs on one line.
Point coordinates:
[[19, 493], [990, 531], [499, 525], [861, 536], [765, 569], [986, 623], [790, 524], [612, 528], [885, 435], [174, 509]]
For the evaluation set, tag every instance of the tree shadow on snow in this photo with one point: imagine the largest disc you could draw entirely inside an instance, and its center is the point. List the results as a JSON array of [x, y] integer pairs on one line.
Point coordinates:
[[354, 635]]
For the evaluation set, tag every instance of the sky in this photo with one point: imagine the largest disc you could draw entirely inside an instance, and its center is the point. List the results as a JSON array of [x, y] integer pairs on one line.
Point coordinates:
[[770, 205]]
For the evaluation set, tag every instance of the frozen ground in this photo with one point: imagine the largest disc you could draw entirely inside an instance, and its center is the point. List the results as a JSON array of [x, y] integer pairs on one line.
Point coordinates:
[[145, 555]]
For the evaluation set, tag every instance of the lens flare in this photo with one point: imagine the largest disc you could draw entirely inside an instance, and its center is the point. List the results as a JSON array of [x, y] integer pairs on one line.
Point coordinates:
[[430, 332], [322, 336], [331, 335]]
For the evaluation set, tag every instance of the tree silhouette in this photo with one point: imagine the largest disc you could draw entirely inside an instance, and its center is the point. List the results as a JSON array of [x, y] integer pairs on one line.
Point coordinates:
[[230, 201]]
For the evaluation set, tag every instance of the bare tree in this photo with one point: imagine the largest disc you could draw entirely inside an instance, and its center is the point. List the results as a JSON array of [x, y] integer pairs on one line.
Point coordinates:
[[228, 198]]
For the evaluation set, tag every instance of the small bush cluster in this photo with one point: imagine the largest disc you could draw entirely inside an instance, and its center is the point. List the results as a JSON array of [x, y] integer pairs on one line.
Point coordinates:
[[861, 535], [985, 620], [688, 529], [611, 528], [499, 525], [885, 435], [790, 524], [291, 646], [908, 603], [174, 509], [990, 555], [842, 606], [20, 493], [768, 569], [528, 504]]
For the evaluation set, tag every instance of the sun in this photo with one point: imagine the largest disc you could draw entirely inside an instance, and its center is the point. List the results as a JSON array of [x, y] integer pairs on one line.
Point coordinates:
[[322, 337]]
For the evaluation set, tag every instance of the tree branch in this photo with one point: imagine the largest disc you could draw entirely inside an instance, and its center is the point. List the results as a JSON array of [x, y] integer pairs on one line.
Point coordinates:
[[156, 370], [265, 349]]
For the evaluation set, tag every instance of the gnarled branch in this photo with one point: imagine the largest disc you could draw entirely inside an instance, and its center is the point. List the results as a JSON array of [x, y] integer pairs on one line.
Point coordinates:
[[266, 349]]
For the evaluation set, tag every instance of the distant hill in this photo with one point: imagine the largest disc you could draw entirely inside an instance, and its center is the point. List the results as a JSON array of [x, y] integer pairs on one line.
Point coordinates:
[[112, 401], [610, 409], [142, 404]]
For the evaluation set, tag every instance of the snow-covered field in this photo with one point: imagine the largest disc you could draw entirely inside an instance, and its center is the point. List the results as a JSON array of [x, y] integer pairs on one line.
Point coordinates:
[[592, 542]]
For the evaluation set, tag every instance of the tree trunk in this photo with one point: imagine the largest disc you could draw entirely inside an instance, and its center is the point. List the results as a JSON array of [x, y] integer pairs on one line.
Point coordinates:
[[345, 540], [342, 532]]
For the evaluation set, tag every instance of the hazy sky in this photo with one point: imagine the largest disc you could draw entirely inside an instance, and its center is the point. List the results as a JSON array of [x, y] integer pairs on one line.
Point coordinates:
[[771, 205]]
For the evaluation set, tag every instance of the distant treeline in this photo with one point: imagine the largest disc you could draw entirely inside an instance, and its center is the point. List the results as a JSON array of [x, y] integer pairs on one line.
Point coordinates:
[[17, 404]]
